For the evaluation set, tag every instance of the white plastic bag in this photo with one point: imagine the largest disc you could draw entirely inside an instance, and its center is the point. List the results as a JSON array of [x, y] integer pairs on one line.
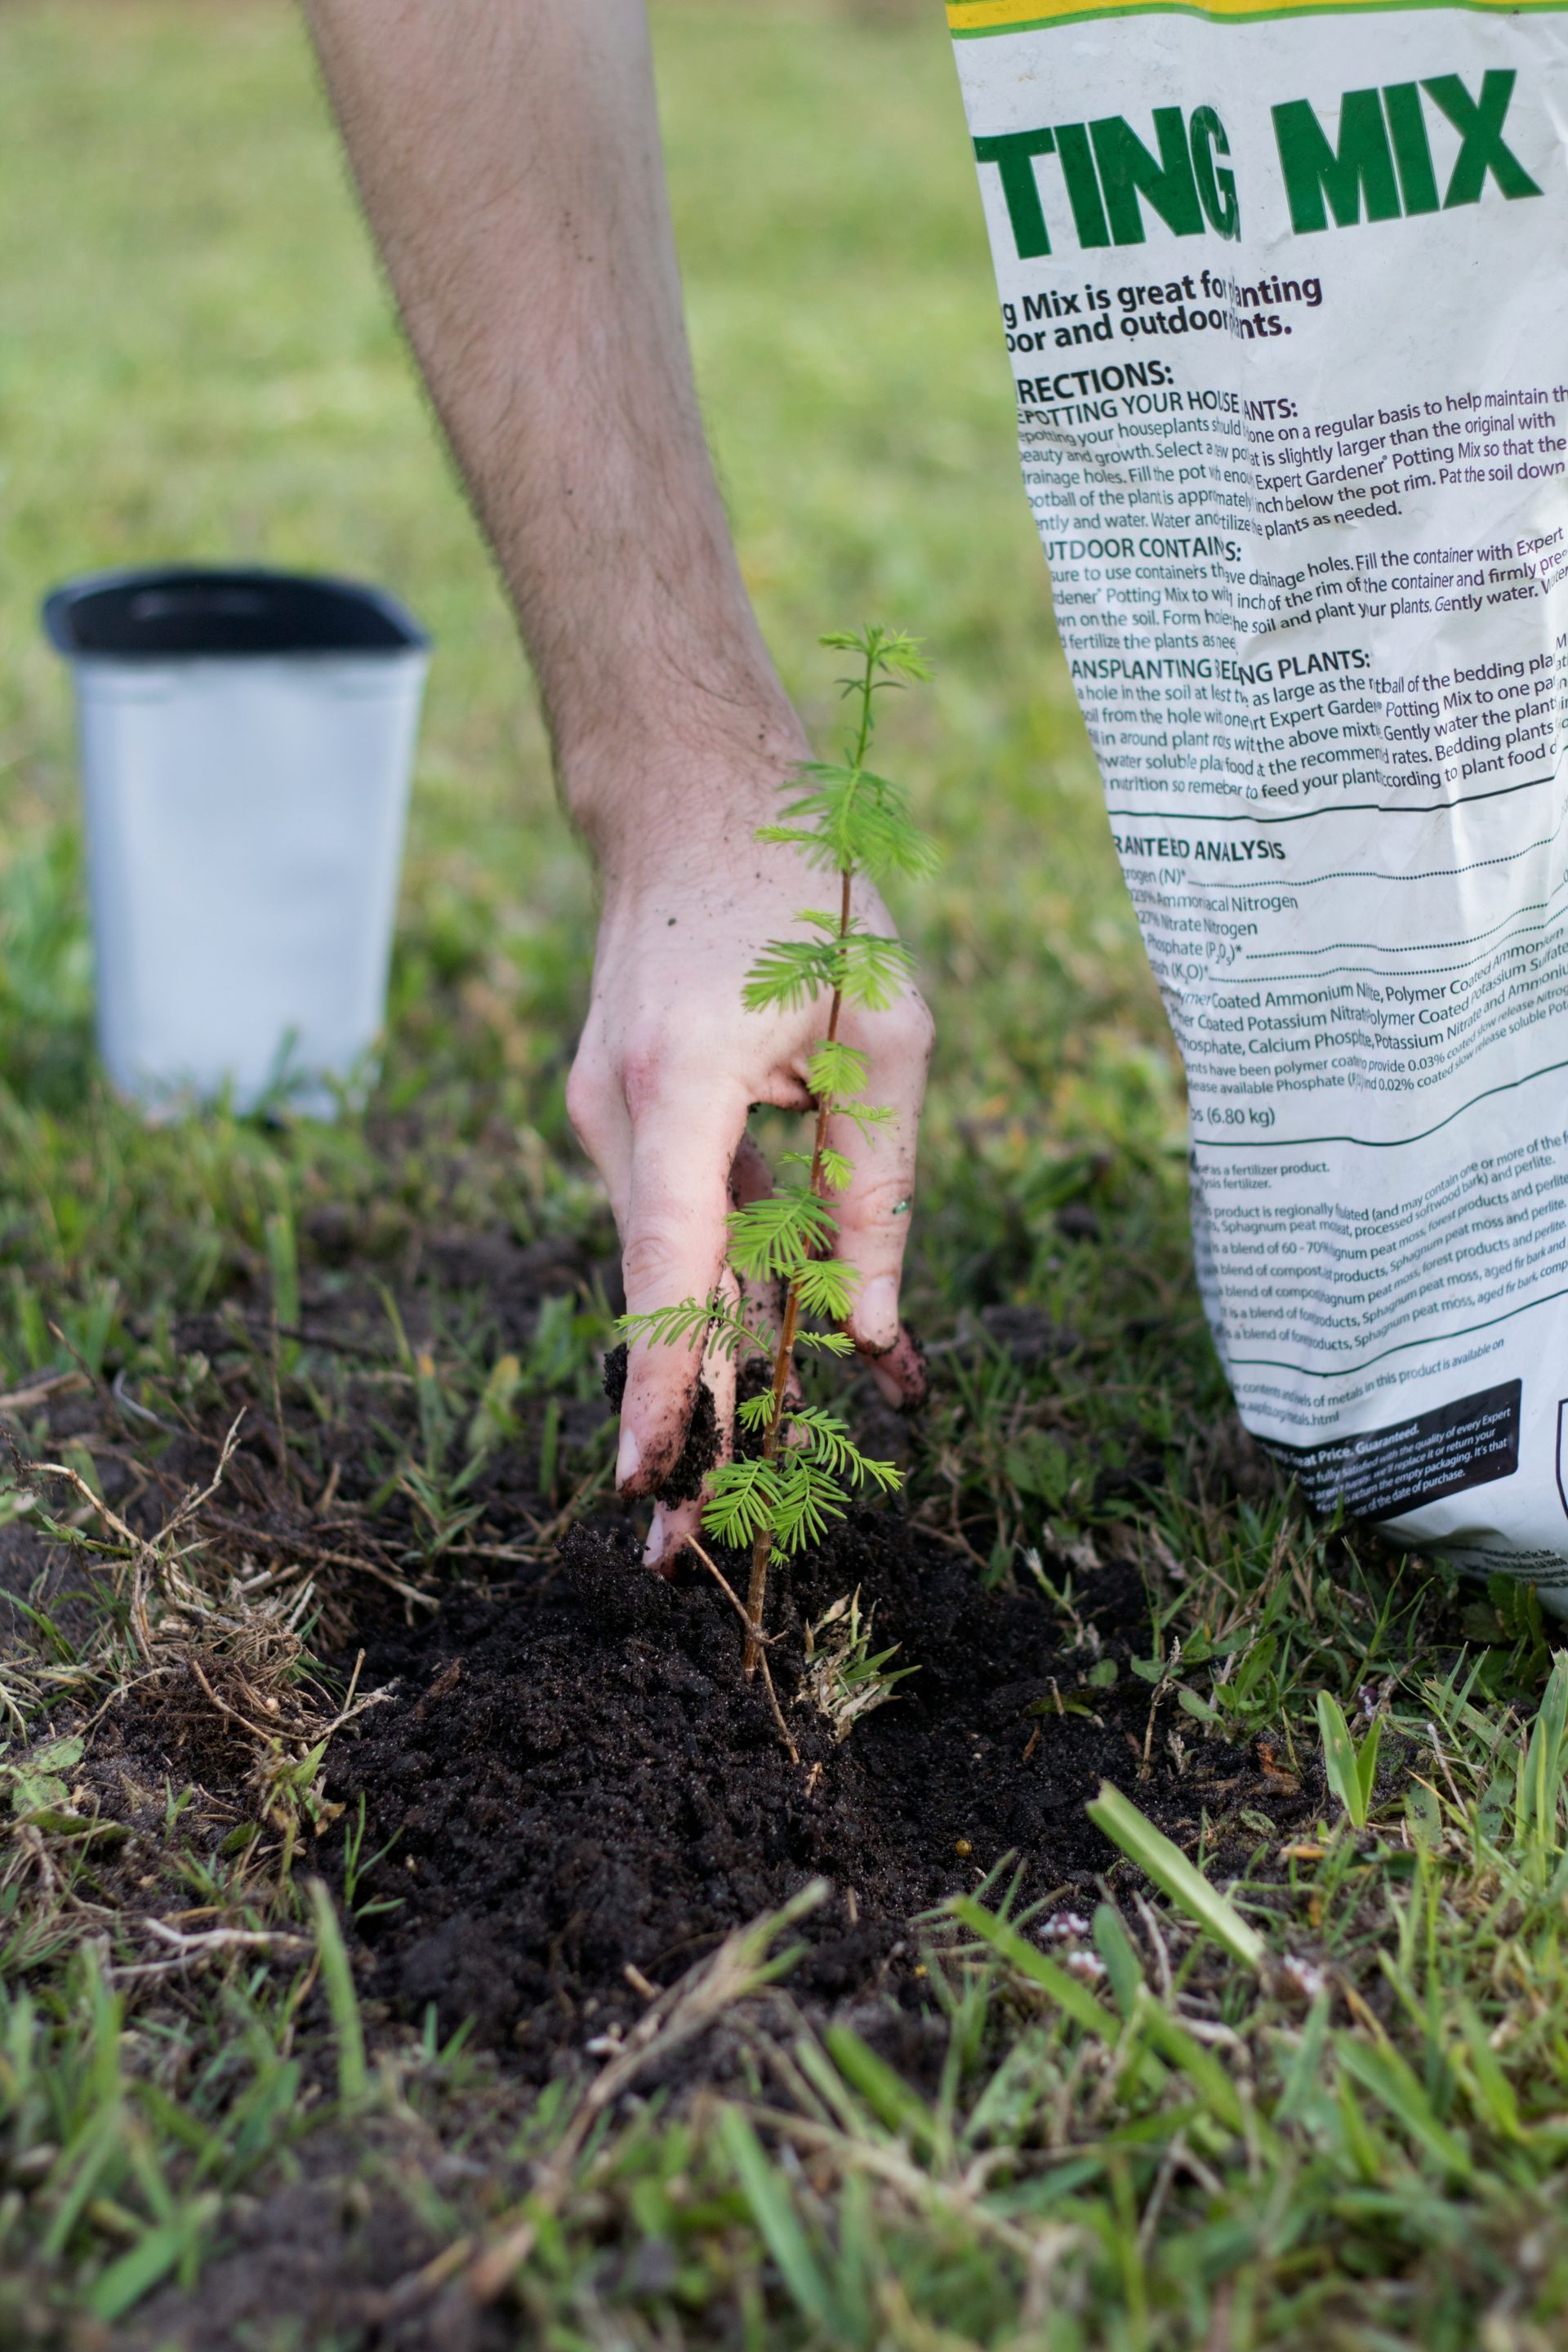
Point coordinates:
[[1282, 289]]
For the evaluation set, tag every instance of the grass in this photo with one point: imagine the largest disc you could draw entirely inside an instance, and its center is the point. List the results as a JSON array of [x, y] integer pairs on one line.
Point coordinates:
[[1322, 2104]]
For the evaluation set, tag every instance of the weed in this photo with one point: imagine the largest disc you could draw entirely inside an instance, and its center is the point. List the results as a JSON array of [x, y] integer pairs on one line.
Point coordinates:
[[845, 1678], [337, 1975], [1351, 1765], [357, 1865]]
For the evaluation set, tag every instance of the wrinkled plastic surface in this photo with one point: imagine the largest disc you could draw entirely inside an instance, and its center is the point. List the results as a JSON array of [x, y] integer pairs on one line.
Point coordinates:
[[1282, 289]]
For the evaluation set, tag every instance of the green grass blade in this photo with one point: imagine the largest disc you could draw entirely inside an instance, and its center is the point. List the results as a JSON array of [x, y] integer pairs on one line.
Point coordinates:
[[1303, 2084], [1397, 2087], [1200, 2067], [1543, 1761], [265, 2112], [1122, 1966], [99, 2147], [1176, 1876], [1065, 1989], [885, 2092], [1359, 2142], [1366, 1767], [343, 2001], [1492, 2094], [1340, 1762], [775, 2217], [137, 2271]]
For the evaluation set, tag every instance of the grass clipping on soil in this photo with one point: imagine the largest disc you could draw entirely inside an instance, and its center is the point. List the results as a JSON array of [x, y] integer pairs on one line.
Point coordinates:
[[845, 1680]]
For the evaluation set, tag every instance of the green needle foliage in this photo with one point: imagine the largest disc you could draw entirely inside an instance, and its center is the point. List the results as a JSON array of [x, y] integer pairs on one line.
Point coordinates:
[[849, 821]]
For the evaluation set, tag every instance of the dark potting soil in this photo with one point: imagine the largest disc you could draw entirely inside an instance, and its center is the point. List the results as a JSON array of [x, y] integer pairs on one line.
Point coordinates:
[[577, 1779]]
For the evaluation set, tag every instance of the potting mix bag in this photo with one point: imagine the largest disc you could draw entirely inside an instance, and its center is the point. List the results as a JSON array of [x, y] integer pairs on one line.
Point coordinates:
[[1284, 291]]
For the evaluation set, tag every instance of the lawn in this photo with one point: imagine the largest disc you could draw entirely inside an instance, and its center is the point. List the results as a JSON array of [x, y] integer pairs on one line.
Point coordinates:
[[302, 2041]]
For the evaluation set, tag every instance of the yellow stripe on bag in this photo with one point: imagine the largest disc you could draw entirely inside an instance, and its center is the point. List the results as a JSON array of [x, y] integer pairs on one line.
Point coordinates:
[[969, 18]]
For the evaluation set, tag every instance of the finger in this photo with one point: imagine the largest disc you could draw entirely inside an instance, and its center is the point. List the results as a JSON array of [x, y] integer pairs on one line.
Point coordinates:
[[596, 1107], [761, 1302], [751, 1178], [683, 1141], [874, 1211], [902, 1376], [678, 1513], [673, 1526]]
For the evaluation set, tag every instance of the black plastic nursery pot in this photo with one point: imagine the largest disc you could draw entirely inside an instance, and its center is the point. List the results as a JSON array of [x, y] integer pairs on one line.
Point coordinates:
[[180, 611]]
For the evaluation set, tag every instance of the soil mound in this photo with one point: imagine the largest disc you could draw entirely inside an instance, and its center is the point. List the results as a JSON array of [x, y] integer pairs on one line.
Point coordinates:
[[576, 1780]]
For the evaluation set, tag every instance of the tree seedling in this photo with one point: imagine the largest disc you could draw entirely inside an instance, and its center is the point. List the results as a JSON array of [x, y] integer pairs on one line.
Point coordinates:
[[849, 821]]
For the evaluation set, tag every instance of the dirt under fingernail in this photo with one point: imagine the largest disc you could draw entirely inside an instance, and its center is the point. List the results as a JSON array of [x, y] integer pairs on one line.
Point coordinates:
[[701, 1447]]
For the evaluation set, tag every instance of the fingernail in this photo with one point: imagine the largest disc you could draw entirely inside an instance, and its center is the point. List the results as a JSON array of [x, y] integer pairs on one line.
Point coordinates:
[[875, 1316], [888, 1388], [658, 1552], [629, 1461]]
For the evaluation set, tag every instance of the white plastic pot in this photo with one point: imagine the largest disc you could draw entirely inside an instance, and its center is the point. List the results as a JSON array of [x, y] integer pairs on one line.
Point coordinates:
[[246, 744]]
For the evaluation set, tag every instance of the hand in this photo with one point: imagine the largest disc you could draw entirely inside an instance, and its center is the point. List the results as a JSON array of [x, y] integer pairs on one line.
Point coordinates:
[[668, 1067], [508, 153]]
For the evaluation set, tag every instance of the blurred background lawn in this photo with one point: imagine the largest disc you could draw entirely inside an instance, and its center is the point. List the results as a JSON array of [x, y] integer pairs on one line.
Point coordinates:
[[199, 362]]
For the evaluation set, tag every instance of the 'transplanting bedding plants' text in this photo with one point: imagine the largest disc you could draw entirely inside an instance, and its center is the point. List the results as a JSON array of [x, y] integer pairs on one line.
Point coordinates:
[[1292, 370]]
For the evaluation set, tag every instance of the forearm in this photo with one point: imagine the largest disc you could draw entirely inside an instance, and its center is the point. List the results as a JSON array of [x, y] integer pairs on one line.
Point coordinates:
[[508, 155]]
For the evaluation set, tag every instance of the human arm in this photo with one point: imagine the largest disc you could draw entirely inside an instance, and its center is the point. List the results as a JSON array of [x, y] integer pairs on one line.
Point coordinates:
[[508, 155]]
